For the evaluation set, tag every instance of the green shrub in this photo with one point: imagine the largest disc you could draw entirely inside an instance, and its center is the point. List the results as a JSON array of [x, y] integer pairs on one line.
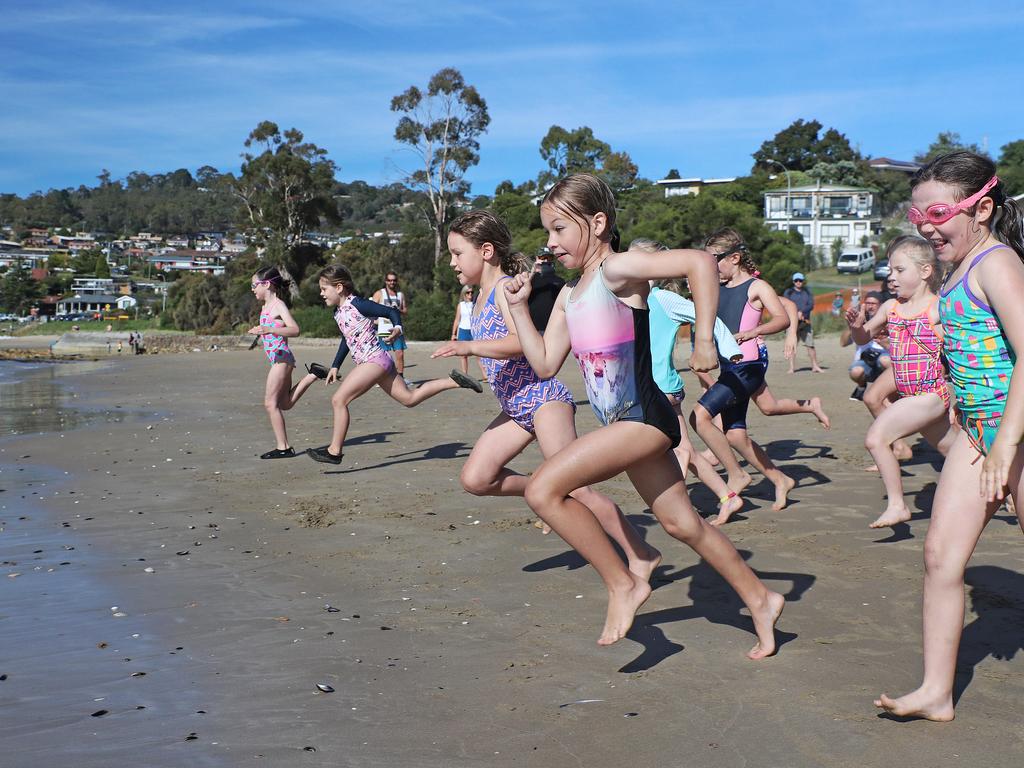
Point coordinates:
[[316, 322], [430, 316]]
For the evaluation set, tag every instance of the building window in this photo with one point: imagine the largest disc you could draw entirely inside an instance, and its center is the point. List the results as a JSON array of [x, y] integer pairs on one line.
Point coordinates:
[[830, 232]]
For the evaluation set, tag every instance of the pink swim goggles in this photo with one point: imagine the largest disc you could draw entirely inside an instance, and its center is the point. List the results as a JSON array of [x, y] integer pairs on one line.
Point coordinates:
[[943, 212]]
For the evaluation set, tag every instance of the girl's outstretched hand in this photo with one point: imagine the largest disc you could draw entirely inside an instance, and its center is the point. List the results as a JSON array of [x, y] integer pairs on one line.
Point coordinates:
[[332, 376], [517, 290], [704, 357], [257, 330], [995, 472], [852, 316], [452, 349]]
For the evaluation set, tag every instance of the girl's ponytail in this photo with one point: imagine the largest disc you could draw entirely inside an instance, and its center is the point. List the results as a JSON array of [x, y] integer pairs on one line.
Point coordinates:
[[1008, 225]]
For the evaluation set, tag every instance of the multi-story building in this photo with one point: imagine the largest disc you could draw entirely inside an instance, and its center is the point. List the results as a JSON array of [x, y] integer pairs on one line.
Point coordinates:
[[823, 213]]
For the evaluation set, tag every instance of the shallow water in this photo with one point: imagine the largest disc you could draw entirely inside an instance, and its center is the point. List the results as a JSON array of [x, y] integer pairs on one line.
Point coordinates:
[[39, 397]]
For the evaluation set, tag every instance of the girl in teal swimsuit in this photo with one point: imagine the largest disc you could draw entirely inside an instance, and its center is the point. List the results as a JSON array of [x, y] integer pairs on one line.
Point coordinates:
[[960, 206]]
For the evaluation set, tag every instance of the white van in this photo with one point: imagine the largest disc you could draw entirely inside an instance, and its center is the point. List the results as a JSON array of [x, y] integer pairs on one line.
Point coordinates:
[[855, 260]]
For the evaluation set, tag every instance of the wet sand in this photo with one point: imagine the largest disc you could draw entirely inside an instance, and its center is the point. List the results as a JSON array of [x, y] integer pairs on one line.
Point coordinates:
[[462, 636]]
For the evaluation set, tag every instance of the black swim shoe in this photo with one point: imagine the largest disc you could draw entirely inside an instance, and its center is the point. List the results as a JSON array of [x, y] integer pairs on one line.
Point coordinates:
[[320, 371], [465, 381], [323, 454], [279, 453]]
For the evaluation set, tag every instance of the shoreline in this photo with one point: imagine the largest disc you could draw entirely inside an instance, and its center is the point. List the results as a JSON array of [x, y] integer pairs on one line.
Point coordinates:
[[460, 639]]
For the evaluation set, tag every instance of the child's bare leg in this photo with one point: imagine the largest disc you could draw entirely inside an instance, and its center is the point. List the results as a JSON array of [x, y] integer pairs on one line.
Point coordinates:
[[660, 483], [769, 406], [295, 393], [592, 458], [880, 394], [729, 502], [718, 443], [279, 379], [485, 472], [464, 364], [357, 383], [556, 428], [959, 515], [396, 387], [904, 417], [758, 459]]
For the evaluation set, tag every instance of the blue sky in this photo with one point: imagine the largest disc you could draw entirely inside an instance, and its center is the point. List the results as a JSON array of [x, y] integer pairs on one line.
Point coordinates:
[[695, 86]]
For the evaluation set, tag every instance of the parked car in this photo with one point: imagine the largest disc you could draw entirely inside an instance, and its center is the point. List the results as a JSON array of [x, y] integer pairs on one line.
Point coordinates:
[[855, 260], [882, 270]]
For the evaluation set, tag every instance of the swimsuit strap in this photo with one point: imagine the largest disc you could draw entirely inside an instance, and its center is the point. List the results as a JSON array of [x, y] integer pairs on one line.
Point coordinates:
[[974, 262]]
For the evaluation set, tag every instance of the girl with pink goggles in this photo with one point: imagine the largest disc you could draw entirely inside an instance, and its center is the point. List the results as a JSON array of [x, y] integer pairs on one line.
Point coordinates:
[[940, 213]]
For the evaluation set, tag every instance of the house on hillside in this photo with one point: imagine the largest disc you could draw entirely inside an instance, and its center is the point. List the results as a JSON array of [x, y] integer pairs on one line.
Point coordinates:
[[887, 164], [188, 261], [95, 303], [685, 187], [822, 213]]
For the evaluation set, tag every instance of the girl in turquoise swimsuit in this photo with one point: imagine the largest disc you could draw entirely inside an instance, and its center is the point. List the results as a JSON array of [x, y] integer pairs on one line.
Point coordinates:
[[960, 206], [602, 318]]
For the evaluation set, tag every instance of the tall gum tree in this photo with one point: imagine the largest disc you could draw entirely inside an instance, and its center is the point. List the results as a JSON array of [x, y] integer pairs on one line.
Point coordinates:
[[441, 126]]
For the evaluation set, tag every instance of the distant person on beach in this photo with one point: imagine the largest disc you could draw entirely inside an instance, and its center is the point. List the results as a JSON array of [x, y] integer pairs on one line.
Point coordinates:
[[545, 285], [601, 317], [275, 328], [140, 345], [804, 301], [391, 296], [462, 328], [962, 208], [531, 407], [360, 335], [837, 304]]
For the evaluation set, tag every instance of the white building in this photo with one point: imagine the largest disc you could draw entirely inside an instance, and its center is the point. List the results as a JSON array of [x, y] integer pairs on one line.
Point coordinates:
[[684, 187], [820, 214]]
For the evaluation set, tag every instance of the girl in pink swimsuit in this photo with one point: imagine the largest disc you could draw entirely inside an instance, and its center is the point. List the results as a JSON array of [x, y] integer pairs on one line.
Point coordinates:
[[276, 326], [356, 320], [603, 321], [915, 339]]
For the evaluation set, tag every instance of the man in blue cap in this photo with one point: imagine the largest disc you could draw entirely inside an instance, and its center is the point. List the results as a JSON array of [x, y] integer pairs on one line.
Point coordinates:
[[804, 301]]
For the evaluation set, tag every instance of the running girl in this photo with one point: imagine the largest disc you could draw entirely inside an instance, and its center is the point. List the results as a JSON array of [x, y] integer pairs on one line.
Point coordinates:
[[962, 209], [601, 316], [531, 407], [355, 316], [742, 299], [276, 326], [915, 339]]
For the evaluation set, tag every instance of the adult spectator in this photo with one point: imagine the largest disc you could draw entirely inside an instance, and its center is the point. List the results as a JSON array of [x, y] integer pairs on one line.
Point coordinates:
[[804, 301], [545, 285], [872, 359], [391, 296]]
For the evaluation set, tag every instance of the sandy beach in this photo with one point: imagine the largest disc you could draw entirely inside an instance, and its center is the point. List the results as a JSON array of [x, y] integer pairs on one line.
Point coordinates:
[[171, 600]]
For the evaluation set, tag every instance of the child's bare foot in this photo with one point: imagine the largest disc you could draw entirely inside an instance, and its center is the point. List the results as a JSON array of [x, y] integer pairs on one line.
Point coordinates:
[[819, 413], [544, 527], [872, 468], [817, 370], [783, 486], [764, 624], [622, 607], [894, 513], [902, 451], [709, 457], [732, 504], [919, 704], [644, 567], [738, 483]]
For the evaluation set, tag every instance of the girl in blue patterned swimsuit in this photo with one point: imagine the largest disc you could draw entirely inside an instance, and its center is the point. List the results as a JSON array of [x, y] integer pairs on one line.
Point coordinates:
[[602, 318], [276, 326], [960, 206], [531, 406]]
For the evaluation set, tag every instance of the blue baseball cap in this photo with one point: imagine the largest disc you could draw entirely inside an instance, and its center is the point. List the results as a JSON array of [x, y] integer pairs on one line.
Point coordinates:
[[798, 276]]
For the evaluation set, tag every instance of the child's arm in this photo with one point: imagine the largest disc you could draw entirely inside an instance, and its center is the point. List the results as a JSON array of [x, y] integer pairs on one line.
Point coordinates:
[[1001, 280], [544, 353], [699, 267], [682, 311], [290, 328], [770, 301], [368, 308], [789, 349], [862, 330], [495, 349], [339, 358]]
